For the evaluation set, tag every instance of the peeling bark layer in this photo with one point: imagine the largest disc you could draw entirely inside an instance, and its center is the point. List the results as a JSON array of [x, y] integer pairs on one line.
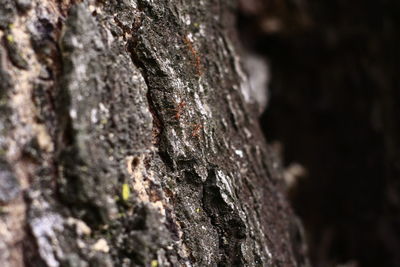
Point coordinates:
[[129, 138]]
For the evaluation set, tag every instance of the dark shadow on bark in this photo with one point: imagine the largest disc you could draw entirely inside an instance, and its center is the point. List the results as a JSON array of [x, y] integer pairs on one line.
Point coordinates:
[[333, 109]]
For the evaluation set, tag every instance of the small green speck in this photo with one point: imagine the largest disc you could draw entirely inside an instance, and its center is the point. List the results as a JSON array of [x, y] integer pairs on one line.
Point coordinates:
[[126, 192], [198, 210], [154, 263], [84, 168], [3, 101], [10, 38]]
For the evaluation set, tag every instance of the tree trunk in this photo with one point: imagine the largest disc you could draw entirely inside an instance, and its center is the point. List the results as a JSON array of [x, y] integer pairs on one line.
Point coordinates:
[[129, 137]]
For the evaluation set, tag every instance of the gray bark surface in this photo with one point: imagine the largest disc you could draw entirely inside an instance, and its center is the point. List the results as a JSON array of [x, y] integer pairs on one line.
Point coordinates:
[[129, 138]]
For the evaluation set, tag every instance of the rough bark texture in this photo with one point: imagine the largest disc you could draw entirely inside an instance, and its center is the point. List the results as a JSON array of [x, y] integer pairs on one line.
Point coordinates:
[[129, 137]]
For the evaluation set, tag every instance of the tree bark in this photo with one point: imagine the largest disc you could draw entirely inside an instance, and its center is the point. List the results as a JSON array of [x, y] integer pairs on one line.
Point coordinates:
[[129, 137]]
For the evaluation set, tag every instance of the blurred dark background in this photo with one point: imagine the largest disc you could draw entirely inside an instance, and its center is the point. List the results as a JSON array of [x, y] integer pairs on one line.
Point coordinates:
[[334, 110]]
